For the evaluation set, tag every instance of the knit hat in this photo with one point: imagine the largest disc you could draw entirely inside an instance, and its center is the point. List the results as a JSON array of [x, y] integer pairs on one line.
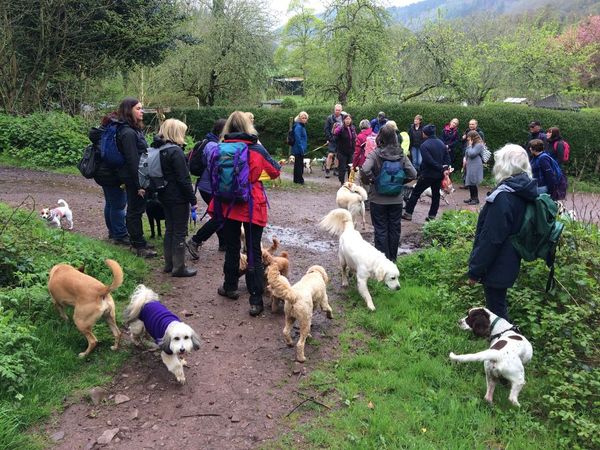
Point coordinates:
[[429, 130]]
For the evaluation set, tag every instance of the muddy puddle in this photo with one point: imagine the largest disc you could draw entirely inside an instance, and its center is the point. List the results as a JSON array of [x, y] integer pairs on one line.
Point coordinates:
[[291, 237]]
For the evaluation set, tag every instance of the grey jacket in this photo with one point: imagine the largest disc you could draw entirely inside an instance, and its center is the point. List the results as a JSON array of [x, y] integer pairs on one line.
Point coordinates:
[[372, 166], [474, 170]]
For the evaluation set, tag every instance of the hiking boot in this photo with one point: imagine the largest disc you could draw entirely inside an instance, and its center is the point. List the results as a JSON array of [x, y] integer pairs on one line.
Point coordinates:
[[122, 241], [406, 216], [467, 200], [255, 310], [145, 253], [192, 247], [473, 201], [221, 247], [327, 173], [233, 295], [429, 218]]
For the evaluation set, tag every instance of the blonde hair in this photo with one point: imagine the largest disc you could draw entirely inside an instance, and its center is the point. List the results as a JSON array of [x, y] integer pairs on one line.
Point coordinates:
[[250, 116], [300, 115], [510, 160], [391, 124], [239, 121], [173, 130]]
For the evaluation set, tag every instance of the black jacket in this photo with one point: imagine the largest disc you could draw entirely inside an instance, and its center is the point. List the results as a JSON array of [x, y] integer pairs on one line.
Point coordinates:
[[105, 175], [131, 144], [174, 166], [493, 260], [539, 135], [435, 157], [416, 136]]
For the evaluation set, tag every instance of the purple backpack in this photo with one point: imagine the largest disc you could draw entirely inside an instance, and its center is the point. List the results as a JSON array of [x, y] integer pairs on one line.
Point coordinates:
[[229, 170]]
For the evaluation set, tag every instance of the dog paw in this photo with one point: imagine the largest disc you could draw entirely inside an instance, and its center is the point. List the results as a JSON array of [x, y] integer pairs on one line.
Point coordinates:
[[329, 315], [82, 355], [452, 355], [114, 347], [184, 363], [301, 358], [181, 380]]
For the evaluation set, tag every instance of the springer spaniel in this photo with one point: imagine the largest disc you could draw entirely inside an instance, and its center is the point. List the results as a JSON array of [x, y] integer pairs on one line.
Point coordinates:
[[508, 353]]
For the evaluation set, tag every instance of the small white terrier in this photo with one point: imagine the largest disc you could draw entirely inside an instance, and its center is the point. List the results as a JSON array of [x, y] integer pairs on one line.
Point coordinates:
[[54, 215], [174, 338]]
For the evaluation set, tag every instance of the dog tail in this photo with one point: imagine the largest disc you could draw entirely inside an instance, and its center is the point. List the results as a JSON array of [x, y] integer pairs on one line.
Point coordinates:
[[62, 202], [285, 255], [279, 285], [141, 295], [274, 246], [117, 275], [320, 270], [360, 190], [337, 221], [486, 355]]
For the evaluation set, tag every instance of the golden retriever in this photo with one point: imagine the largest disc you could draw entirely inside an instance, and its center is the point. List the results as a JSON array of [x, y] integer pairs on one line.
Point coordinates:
[[300, 301], [359, 256], [352, 197], [90, 298]]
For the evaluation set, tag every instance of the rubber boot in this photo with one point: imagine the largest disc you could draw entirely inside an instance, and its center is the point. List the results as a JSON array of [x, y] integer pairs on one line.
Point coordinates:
[[179, 269], [168, 254]]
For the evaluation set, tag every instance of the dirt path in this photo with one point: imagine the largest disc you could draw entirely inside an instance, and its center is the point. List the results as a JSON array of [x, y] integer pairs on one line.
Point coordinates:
[[242, 382]]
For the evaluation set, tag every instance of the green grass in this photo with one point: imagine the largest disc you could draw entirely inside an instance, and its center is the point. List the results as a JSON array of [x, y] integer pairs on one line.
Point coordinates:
[[394, 386], [54, 374], [7, 160]]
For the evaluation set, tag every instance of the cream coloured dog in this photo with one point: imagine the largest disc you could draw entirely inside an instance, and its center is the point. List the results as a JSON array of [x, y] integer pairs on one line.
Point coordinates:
[[174, 338], [300, 301], [359, 256], [352, 197], [508, 353], [91, 299]]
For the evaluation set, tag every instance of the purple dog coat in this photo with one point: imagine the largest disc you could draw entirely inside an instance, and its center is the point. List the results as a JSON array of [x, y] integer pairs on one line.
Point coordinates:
[[157, 318]]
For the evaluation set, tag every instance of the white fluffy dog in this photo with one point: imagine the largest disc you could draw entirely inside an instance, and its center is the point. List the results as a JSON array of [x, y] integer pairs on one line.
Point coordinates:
[[352, 197], [54, 215], [508, 353], [174, 338], [359, 256], [306, 163]]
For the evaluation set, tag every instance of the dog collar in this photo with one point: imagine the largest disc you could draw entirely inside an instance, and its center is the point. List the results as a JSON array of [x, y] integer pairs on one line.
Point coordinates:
[[497, 335]]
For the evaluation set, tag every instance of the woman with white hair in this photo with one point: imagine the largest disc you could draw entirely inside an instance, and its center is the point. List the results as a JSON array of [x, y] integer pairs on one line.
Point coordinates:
[[494, 262]]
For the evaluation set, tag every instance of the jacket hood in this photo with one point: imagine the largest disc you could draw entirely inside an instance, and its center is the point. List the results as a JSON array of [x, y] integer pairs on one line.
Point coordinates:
[[211, 137], [241, 137], [389, 152], [521, 185], [157, 141]]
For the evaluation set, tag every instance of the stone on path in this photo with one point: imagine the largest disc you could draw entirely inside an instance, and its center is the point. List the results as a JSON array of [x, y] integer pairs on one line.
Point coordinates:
[[120, 398], [97, 394], [107, 436], [58, 436]]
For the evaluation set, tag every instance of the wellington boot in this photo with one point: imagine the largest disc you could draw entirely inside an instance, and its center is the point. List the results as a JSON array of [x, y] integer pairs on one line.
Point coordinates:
[[179, 269]]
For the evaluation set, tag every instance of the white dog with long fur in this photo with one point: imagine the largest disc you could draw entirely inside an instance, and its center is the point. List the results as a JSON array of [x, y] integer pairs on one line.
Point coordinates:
[[359, 256], [352, 197], [174, 338]]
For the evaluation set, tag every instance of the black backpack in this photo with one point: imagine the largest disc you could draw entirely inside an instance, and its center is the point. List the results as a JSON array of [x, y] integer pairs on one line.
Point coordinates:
[[196, 160], [291, 137], [89, 162]]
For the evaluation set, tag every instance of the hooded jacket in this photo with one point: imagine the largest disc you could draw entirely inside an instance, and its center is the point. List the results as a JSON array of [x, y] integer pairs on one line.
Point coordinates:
[[259, 160], [301, 139], [372, 167], [131, 144], [415, 135], [435, 157], [359, 152], [494, 261], [179, 189]]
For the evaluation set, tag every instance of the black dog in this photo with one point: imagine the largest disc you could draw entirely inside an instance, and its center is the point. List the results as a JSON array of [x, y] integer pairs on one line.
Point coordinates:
[[155, 213]]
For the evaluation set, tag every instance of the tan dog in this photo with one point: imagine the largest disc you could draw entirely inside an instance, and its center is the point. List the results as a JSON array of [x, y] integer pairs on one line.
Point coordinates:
[[300, 301], [244, 256], [89, 297], [352, 197], [282, 263]]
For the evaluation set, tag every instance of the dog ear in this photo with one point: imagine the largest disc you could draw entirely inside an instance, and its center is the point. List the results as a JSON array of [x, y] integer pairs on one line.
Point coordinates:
[[165, 344], [380, 273], [195, 341], [481, 326]]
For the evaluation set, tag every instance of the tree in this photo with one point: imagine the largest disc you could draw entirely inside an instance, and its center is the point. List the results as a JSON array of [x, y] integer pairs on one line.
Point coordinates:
[[232, 56], [49, 44]]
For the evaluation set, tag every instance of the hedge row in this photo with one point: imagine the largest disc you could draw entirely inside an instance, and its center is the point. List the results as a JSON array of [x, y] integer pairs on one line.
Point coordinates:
[[501, 123]]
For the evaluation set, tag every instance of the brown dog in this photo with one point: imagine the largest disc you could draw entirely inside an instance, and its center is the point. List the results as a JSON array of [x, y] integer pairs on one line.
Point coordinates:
[[89, 297], [283, 267]]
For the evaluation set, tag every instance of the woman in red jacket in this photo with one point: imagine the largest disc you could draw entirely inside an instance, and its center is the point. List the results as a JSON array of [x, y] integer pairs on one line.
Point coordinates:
[[239, 128]]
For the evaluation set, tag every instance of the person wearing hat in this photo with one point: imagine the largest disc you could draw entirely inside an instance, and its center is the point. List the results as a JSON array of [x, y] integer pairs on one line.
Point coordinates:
[[378, 122], [436, 160], [536, 132]]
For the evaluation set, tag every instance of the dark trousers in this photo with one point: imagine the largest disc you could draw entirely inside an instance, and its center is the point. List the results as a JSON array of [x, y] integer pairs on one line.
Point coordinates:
[[299, 169], [343, 160], [422, 184], [386, 221], [474, 192], [210, 227], [115, 202], [136, 206], [231, 267], [495, 301], [176, 223]]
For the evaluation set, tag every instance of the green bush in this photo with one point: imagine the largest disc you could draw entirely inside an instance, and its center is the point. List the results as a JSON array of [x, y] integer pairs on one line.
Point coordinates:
[[563, 325]]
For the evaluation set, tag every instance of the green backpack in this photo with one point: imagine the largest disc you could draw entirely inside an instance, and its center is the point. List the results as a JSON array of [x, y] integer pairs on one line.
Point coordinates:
[[539, 234]]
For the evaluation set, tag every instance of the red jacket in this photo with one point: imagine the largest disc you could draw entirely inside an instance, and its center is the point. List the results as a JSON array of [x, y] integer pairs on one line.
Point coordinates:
[[359, 152], [259, 160]]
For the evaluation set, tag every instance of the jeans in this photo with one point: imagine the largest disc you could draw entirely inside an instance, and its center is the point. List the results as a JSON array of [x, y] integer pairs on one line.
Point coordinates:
[[136, 206], [422, 184], [115, 202], [386, 221], [210, 227], [495, 301], [231, 267], [417, 159]]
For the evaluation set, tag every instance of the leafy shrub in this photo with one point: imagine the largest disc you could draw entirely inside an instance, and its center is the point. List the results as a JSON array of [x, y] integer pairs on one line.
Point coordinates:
[[562, 325], [289, 103], [451, 227]]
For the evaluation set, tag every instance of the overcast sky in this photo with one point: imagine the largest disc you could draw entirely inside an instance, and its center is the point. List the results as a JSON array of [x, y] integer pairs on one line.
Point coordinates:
[[279, 7]]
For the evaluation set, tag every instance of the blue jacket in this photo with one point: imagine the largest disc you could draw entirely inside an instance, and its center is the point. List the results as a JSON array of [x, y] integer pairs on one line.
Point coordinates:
[[376, 124], [544, 171], [493, 260], [435, 156], [301, 145], [157, 318], [204, 180]]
